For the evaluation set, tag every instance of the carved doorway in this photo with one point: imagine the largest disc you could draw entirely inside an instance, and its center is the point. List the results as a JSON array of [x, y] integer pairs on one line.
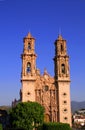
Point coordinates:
[[47, 118]]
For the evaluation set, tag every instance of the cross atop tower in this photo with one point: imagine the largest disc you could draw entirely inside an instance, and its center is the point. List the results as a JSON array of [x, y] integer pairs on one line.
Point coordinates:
[[60, 37], [29, 35]]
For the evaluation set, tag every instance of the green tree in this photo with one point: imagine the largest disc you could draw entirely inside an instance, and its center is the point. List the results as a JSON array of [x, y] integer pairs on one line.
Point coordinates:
[[27, 115], [1, 127]]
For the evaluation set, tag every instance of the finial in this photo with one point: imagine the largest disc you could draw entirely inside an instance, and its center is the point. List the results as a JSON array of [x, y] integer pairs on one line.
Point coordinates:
[[60, 36], [29, 35], [45, 71]]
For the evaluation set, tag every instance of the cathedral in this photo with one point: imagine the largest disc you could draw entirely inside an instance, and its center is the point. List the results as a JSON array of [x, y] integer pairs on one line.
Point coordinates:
[[51, 92]]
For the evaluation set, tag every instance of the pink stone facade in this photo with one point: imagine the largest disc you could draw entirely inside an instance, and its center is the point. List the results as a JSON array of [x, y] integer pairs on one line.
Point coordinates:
[[51, 92]]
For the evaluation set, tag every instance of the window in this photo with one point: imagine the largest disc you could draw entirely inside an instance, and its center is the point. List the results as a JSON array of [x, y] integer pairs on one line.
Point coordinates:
[[65, 118], [29, 46], [46, 88], [28, 93], [64, 102], [65, 110], [62, 48], [63, 68], [64, 94], [28, 67]]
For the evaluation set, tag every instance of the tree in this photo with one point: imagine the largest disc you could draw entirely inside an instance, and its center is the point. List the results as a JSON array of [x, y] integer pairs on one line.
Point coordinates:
[[1, 127], [27, 115]]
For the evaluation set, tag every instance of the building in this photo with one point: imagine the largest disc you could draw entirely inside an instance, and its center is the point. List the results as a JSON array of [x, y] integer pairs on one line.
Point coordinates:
[[79, 117], [51, 92]]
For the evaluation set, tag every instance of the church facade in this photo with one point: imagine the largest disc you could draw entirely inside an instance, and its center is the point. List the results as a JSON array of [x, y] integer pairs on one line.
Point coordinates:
[[51, 92]]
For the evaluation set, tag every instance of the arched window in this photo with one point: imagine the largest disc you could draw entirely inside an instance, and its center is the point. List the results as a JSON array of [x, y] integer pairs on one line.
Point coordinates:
[[29, 46], [46, 88], [28, 67], [62, 48], [63, 68], [46, 118]]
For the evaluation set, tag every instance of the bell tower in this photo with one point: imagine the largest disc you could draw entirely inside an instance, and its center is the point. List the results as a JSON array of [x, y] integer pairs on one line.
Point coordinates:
[[62, 80], [28, 75]]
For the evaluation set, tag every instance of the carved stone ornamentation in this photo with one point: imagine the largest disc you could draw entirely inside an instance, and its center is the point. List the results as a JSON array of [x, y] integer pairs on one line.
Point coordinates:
[[51, 92]]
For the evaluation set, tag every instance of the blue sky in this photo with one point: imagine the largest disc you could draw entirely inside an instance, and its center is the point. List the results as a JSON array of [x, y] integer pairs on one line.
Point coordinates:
[[44, 19]]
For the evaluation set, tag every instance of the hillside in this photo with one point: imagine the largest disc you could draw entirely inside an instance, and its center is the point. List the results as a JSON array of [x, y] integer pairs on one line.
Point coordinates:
[[77, 105]]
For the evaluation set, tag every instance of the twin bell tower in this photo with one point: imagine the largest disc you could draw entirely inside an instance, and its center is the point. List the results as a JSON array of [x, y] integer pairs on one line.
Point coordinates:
[[51, 92]]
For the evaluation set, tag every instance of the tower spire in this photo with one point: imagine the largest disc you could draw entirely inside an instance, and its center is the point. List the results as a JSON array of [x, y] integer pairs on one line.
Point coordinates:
[[29, 35], [28, 68], [60, 35], [62, 80]]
